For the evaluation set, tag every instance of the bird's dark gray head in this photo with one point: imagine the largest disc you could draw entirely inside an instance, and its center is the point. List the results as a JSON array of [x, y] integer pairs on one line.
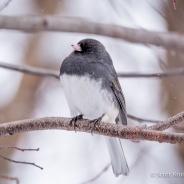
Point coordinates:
[[89, 46]]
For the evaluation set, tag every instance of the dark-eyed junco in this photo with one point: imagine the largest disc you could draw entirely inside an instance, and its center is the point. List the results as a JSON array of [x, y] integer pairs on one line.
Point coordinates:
[[92, 90]]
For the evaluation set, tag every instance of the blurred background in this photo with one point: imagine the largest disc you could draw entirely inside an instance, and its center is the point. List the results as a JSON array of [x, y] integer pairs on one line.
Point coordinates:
[[74, 158]]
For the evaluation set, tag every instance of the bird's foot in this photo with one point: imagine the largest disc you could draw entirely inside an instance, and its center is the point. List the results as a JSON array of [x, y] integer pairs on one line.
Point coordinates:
[[75, 119], [95, 121]]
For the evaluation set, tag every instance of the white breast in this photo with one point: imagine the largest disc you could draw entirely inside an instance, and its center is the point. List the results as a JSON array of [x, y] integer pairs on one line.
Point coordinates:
[[86, 96]]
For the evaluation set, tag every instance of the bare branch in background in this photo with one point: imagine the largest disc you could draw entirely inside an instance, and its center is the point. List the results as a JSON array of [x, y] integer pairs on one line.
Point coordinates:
[[4, 4], [54, 73], [99, 174], [10, 178], [163, 125], [32, 24], [31, 70], [20, 149], [105, 129], [20, 162], [171, 73], [141, 120]]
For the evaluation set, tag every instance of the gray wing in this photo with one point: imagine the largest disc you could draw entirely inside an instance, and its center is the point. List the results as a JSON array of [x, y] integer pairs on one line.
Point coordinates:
[[116, 88]]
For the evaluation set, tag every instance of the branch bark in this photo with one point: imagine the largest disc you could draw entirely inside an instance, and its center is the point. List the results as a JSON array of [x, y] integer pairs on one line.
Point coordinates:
[[32, 24], [105, 129], [163, 125]]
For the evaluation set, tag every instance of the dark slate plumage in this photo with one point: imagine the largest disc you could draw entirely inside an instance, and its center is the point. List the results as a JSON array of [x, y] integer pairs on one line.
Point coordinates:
[[95, 61], [89, 79]]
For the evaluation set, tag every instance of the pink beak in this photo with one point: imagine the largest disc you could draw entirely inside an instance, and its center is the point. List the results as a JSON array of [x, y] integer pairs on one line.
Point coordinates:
[[77, 47]]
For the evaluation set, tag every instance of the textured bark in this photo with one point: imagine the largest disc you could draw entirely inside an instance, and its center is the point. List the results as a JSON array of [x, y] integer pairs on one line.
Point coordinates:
[[106, 129]]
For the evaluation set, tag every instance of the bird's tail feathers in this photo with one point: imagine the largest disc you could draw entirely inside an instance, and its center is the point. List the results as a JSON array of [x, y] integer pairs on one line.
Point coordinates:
[[118, 160]]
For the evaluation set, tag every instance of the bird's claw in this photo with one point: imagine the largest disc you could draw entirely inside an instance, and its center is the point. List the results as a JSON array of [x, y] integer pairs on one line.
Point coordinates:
[[75, 119], [95, 121]]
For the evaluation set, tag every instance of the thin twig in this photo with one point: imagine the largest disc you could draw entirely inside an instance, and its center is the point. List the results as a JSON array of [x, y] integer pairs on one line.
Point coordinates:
[[4, 5], [105, 129], [32, 24], [170, 73], [141, 120], [10, 178], [20, 162], [31, 70], [20, 149], [55, 73], [98, 175]]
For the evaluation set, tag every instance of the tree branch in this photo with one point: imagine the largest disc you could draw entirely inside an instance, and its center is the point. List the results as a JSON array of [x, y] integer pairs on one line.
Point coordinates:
[[163, 125], [54, 73], [170, 73], [106, 129], [20, 149], [4, 4], [20, 162], [75, 25], [141, 120], [31, 70]]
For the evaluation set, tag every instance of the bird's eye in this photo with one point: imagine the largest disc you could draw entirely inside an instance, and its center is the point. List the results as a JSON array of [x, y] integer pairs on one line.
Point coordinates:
[[88, 50]]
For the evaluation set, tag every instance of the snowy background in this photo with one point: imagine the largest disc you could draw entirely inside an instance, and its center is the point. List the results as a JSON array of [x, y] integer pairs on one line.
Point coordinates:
[[69, 157]]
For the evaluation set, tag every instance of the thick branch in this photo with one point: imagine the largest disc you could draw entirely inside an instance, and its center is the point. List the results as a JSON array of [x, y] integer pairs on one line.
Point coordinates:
[[75, 25], [54, 73], [106, 129]]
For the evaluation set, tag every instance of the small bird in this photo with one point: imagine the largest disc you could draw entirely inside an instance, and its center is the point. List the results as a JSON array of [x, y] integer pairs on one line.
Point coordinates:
[[92, 90]]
